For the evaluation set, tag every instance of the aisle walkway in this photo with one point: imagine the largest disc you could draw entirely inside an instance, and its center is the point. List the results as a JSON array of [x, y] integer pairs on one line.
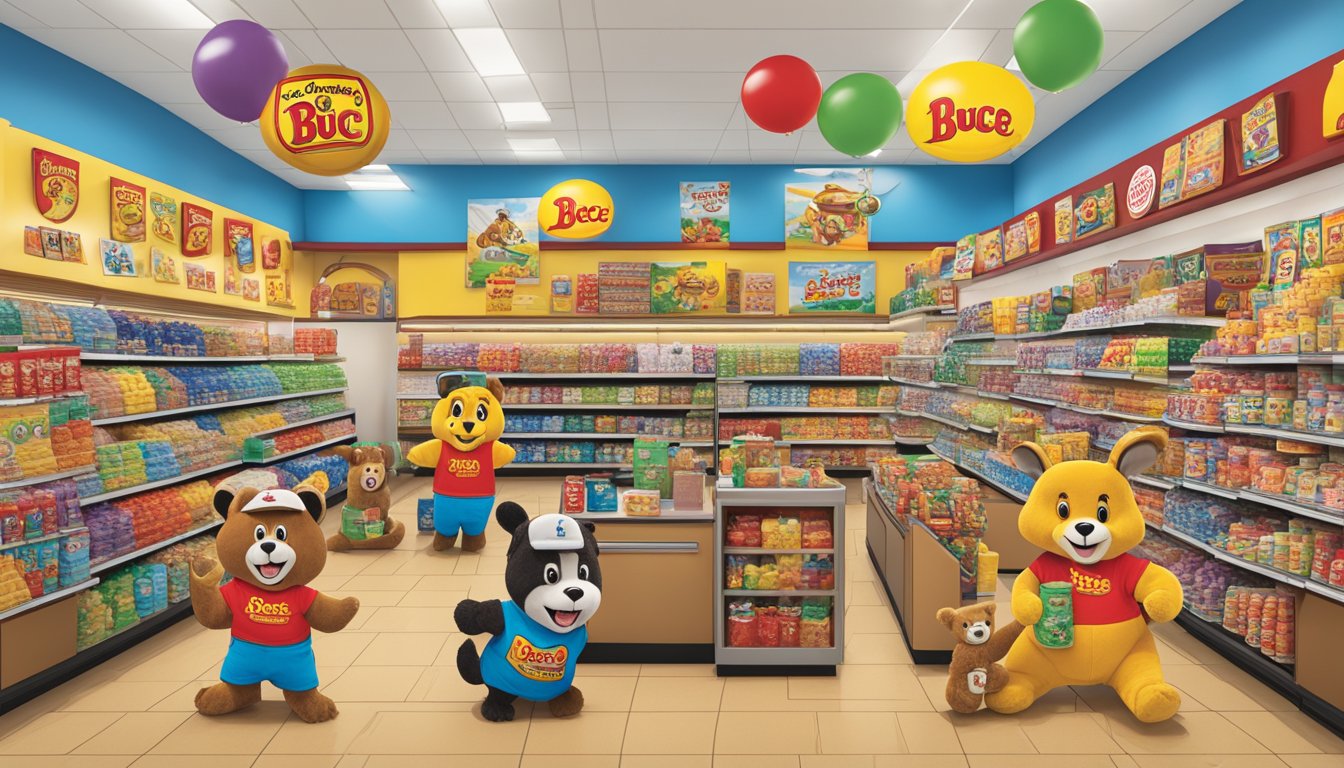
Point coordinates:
[[403, 704]]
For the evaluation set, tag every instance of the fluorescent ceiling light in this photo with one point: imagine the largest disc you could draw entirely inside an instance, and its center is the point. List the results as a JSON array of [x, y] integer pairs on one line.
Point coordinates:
[[1012, 64], [534, 145], [524, 112], [874, 153], [391, 183], [377, 168], [468, 13], [489, 51], [541, 157], [152, 14]]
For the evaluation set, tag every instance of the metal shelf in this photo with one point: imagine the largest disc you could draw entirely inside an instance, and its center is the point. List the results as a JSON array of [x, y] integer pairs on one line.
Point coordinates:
[[790, 441], [112, 357], [50, 597], [940, 309], [303, 450], [314, 420], [541, 376], [39, 539], [838, 378], [1005, 490], [591, 436], [27, 481], [1192, 426], [765, 409], [760, 551], [151, 548], [167, 481], [606, 407], [992, 361], [1284, 434], [38, 399], [562, 464], [212, 406], [913, 383], [780, 593]]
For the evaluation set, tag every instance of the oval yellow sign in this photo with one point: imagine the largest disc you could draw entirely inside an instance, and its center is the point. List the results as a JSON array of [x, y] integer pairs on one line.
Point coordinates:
[[969, 111], [576, 209], [326, 120]]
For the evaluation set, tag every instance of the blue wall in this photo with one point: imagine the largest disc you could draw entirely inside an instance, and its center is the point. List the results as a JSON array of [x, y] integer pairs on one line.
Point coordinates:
[[930, 203], [47, 93], [1252, 46]]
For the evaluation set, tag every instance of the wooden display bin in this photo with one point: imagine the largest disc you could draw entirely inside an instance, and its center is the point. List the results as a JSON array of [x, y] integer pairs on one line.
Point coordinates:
[[1001, 534], [37, 640], [919, 575], [1320, 624]]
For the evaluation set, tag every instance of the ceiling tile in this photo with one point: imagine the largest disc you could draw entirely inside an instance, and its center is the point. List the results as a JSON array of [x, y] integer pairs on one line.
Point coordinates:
[[398, 139], [439, 50], [577, 13], [439, 139], [276, 14], [591, 115], [582, 51], [665, 156], [595, 140], [568, 140], [421, 114], [1000, 49], [150, 14], [1000, 14], [511, 88], [588, 86], [1116, 43], [459, 157], [61, 13], [238, 137], [476, 115], [734, 140], [522, 14], [779, 14], [106, 50], [487, 140], [348, 14], [200, 115], [462, 86], [731, 156], [1138, 15], [176, 45], [674, 86], [773, 155], [539, 50], [719, 50], [373, 50], [466, 14], [598, 157], [1180, 25], [221, 10], [765, 140], [668, 115], [552, 86], [920, 157], [13, 17], [956, 45], [403, 156], [406, 86], [498, 157], [417, 14], [652, 140], [162, 87], [307, 42], [296, 56], [561, 120]]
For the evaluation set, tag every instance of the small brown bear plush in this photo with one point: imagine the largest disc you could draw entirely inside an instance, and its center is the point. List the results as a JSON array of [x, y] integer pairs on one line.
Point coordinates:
[[973, 671], [273, 547], [367, 489]]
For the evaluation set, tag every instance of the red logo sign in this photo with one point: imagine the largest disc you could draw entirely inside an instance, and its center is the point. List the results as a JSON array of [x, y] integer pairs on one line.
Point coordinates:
[[948, 120], [1142, 188], [569, 212]]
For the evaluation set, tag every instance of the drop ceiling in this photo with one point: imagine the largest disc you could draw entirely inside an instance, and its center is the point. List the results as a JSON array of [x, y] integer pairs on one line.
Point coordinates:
[[622, 81]]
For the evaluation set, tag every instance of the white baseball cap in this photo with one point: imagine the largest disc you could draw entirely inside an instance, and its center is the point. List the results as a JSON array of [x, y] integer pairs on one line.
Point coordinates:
[[276, 498], [553, 532]]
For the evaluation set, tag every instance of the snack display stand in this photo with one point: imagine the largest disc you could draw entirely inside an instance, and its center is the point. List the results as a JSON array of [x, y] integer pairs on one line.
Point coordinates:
[[759, 655]]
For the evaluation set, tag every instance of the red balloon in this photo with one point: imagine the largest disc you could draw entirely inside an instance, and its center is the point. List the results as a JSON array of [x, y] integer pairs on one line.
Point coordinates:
[[781, 93]]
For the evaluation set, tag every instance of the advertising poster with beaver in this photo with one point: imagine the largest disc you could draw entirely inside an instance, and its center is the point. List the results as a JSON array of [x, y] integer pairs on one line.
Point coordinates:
[[698, 286], [704, 212], [830, 212], [848, 287], [502, 237]]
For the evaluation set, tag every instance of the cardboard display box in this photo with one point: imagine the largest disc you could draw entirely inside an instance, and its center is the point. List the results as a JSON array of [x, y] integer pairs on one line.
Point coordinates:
[[37, 640], [1001, 535]]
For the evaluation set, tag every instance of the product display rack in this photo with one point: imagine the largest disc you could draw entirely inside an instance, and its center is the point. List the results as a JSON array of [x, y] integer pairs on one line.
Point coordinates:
[[207, 407], [777, 660]]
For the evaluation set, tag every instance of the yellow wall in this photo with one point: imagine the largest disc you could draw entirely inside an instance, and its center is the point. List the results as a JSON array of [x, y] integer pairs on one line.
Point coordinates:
[[92, 222], [432, 284]]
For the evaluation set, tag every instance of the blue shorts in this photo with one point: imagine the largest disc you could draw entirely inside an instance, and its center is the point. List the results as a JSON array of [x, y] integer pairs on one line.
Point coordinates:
[[469, 513], [287, 667]]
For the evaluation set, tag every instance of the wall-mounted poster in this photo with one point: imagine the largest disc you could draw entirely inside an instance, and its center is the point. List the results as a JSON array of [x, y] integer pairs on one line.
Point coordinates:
[[830, 214], [238, 245], [1015, 240], [963, 264], [197, 230], [502, 238], [117, 258], [32, 241], [704, 212], [1033, 222], [233, 282], [199, 278], [279, 290], [835, 287], [1064, 220], [1173, 171], [270, 253], [1260, 135], [164, 210], [251, 289], [51, 244], [127, 211], [989, 250], [758, 293], [1095, 212], [72, 247], [1203, 160], [699, 286], [55, 185], [164, 267]]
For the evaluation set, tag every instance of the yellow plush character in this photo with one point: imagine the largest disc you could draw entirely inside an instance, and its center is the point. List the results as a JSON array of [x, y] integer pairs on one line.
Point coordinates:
[[467, 423], [1083, 514]]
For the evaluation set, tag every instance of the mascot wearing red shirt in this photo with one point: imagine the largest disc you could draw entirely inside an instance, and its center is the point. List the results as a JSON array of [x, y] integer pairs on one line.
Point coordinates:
[[467, 423], [1083, 514], [272, 546]]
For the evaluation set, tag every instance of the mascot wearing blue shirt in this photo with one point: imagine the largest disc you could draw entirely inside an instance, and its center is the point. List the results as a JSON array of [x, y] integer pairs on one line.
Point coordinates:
[[555, 584]]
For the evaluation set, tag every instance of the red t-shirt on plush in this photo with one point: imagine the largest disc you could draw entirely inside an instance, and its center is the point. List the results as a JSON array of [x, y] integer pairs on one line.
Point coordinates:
[[268, 618], [1103, 593], [466, 473]]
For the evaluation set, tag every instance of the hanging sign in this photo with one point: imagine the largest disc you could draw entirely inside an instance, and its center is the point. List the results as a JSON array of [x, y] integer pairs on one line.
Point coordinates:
[[238, 244], [1142, 189], [326, 120], [128, 211], [197, 230], [55, 185], [969, 111], [576, 209]]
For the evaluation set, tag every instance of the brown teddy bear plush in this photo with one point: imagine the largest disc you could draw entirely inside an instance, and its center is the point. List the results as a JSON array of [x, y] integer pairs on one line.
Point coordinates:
[[973, 671], [272, 546], [367, 491]]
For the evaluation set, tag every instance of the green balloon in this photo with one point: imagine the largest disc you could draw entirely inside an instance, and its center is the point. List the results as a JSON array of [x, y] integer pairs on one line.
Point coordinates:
[[859, 113], [1058, 44]]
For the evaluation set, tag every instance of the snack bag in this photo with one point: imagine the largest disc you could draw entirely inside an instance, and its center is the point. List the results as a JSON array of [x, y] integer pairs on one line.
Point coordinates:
[[1055, 629]]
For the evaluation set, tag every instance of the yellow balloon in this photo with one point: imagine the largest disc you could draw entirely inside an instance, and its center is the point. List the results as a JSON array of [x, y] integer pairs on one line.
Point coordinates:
[[575, 209], [326, 120], [969, 111]]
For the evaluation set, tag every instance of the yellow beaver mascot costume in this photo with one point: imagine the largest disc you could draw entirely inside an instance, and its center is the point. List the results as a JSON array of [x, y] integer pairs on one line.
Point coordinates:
[[1083, 514]]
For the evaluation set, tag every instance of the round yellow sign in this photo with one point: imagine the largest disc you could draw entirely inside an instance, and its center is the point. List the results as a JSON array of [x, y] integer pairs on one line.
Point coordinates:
[[576, 210], [969, 111], [326, 120]]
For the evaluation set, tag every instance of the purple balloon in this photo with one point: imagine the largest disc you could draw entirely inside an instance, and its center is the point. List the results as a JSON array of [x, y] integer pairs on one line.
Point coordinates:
[[236, 66]]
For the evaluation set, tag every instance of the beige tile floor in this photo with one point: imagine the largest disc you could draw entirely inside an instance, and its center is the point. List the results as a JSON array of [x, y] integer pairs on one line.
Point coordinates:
[[403, 704]]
